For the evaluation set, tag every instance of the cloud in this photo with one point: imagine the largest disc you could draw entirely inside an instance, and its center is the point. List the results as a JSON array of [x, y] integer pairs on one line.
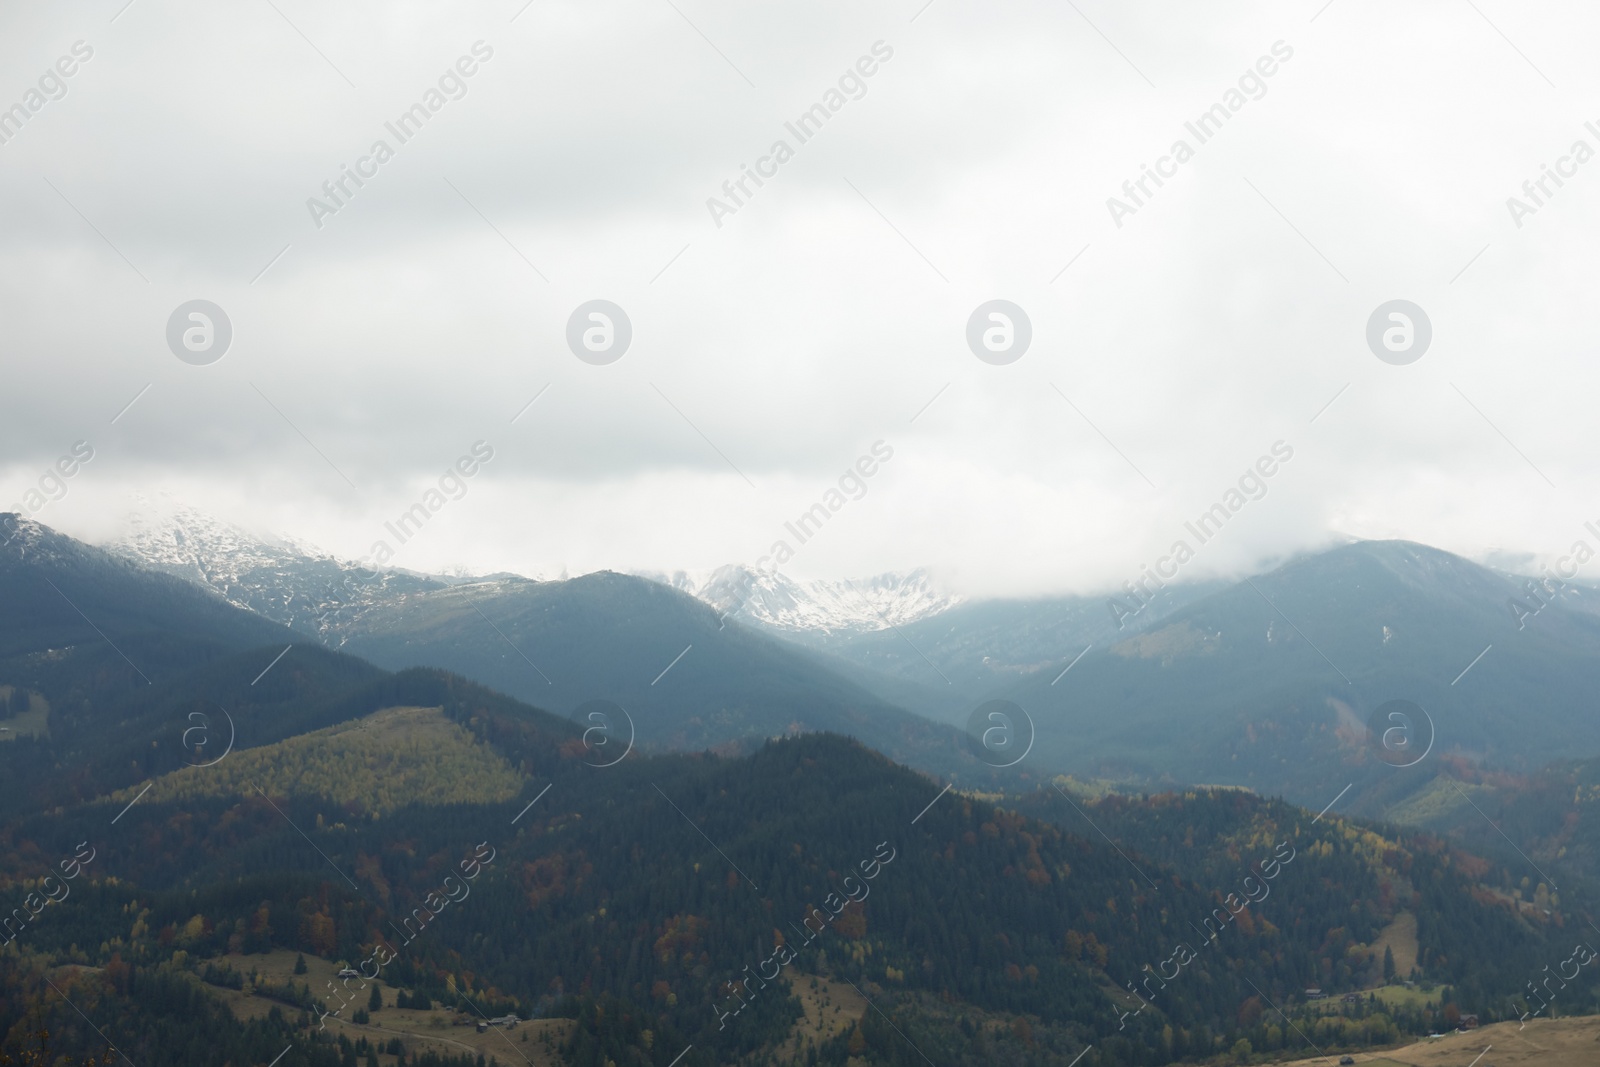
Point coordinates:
[[824, 315]]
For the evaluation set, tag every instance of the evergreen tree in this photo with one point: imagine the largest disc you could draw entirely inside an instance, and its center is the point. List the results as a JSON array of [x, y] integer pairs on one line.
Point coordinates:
[[44, 1056], [299, 964], [1388, 964]]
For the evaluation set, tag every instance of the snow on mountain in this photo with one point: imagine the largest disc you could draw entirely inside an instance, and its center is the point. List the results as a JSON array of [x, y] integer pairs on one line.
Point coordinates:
[[285, 580], [187, 542], [850, 605], [25, 535], [315, 592]]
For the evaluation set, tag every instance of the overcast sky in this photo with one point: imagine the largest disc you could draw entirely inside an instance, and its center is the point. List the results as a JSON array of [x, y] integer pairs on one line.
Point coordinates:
[[826, 312]]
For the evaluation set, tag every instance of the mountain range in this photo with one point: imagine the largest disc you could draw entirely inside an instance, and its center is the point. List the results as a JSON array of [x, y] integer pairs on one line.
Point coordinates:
[[234, 788], [1268, 682]]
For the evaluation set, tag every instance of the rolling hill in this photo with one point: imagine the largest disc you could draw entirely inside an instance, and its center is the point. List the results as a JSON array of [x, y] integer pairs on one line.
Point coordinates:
[[369, 766]]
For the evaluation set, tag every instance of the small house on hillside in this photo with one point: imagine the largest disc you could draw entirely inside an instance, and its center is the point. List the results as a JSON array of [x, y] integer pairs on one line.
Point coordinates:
[[504, 1022]]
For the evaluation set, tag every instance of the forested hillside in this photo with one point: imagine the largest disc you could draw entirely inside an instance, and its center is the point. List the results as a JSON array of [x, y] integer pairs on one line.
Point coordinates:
[[640, 891], [371, 766]]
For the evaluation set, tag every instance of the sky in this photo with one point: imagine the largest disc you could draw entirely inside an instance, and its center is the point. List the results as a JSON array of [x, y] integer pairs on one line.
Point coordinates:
[[779, 334]]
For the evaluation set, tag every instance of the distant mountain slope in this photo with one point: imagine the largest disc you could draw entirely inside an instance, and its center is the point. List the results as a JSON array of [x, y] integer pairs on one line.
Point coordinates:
[[286, 581], [689, 679], [560, 644], [1267, 683], [59, 592], [314, 591], [946, 664], [144, 673], [1270, 683]]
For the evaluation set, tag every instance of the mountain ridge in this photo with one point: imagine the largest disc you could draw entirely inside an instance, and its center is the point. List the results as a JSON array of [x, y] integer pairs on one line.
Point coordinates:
[[628, 894]]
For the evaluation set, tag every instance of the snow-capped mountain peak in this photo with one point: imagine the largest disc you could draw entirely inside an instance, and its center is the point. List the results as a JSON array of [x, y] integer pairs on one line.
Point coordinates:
[[182, 540], [776, 600], [286, 580], [313, 591]]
